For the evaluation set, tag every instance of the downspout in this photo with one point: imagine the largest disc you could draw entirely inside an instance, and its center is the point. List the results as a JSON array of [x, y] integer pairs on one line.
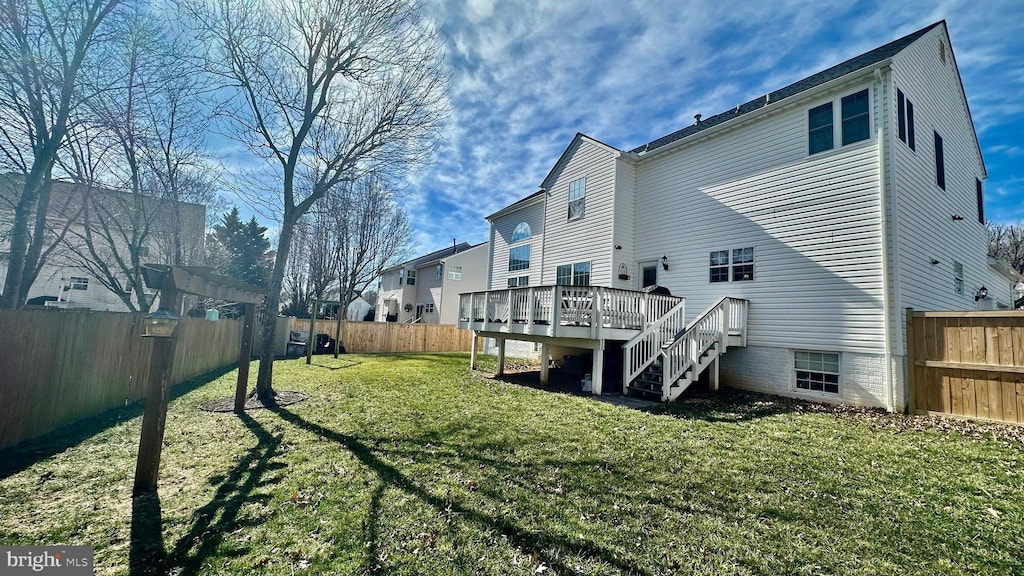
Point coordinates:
[[880, 134]]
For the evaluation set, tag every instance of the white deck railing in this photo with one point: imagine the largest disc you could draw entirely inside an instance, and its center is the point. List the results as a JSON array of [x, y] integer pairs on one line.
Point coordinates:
[[593, 306], [639, 352], [693, 348]]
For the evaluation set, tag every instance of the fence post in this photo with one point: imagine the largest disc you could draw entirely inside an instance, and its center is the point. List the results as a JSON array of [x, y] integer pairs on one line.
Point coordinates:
[[911, 371]]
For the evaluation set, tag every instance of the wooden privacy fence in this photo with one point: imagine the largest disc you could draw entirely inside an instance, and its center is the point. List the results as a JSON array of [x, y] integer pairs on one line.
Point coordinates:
[[365, 337], [57, 367], [967, 364]]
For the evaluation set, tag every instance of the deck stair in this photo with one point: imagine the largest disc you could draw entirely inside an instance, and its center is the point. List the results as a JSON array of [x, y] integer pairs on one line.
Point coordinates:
[[665, 370]]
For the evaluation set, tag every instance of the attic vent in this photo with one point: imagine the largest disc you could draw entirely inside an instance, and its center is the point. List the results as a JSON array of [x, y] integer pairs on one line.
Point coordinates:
[[942, 51]]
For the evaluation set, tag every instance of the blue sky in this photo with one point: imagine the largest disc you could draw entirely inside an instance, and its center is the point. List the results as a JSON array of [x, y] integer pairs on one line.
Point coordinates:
[[527, 75]]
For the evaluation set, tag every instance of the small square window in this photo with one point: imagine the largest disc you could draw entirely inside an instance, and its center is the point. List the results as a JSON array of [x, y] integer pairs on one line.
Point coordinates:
[[742, 264], [428, 308], [79, 283]]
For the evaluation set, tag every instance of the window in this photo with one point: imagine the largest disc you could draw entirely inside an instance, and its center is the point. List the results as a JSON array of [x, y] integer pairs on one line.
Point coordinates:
[[519, 258], [410, 277], [910, 126], [856, 120], [455, 273], [940, 163], [401, 276], [719, 266], [817, 371], [958, 278], [577, 274], [577, 198], [981, 201], [518, 281], [440, 271], [143, 251], [743, 264], [428, 308], [521, 232], [79, 283], [819, 126]]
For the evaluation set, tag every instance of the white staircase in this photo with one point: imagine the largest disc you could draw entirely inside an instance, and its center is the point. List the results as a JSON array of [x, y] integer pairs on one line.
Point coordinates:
[[658, 365]]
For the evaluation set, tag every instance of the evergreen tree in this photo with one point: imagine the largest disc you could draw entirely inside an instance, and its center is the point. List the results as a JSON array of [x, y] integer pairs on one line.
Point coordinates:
[[245, 246]]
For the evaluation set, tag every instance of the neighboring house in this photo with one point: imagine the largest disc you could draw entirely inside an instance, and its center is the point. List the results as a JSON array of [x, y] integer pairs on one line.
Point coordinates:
[[69, 277], [426, 289], [798, 227], [358, 309]]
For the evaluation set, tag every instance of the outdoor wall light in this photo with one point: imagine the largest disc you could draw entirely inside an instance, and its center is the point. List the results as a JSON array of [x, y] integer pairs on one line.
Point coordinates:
[[159, 324], [664, 262], [981, 294]]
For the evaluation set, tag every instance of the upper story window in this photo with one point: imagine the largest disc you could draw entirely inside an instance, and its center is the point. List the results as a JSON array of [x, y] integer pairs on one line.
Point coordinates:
[[519, 258], [79, 283], [440, 272], [577, 198], [742, 264], [410, 277], [854, 122], [940, 163], [905, 117], [521, 232], [958, 278], [455, 273], [719, 266], [577, 274], [981, 200]]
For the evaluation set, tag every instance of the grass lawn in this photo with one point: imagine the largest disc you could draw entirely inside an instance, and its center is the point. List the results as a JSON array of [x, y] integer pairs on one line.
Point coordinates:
[[410, 465]]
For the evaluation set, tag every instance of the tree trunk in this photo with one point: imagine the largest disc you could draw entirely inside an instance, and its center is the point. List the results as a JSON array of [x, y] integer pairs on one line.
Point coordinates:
[[264, 380], [19, 243]]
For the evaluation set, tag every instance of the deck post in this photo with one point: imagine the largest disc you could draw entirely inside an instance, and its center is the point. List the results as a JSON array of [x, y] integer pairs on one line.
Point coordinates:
[[472, 352], [713, 375], [597, 370], [501, 356], [545, 360]]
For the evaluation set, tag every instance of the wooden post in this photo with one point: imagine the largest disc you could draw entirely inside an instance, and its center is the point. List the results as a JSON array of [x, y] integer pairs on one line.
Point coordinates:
[[501, 356], [910, 359], [597, 370], [154, 416], [312, 329], [245, 357], [713, 375], [337, 328], [472, 352], [545, 360]]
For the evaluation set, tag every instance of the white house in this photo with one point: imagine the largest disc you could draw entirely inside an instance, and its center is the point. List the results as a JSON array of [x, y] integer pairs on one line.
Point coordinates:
[[426, 289], [358, 309], [77, 274], [793, 231]]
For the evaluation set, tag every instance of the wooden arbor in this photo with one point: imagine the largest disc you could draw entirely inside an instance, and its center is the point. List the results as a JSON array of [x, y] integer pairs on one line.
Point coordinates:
[[173, 282]]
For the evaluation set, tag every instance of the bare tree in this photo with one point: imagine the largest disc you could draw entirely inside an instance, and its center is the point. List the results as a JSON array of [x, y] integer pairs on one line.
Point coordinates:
[[1006, 242], [324, 91], [44, 47]]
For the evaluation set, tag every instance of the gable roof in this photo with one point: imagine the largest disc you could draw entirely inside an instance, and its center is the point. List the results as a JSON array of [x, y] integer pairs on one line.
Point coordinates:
[[431, 258], [518, 204], [842, 69], [565, 153]]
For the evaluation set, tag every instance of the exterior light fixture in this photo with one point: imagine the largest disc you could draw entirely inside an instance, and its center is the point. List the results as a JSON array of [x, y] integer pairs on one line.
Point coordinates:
[[982, 293], [159, 324], [664, 262]]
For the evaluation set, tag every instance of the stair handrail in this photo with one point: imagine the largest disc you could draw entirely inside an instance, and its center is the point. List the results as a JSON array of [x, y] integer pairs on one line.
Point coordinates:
[[640, 351], [687, 348]]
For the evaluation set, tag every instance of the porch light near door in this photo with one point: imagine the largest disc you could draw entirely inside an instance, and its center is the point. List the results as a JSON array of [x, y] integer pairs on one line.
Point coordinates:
[[664, 262], [981, 294]]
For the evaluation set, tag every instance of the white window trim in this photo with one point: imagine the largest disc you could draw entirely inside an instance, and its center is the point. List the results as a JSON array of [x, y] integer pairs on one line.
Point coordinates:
[[816, 393], [837, 122], [582, 199]]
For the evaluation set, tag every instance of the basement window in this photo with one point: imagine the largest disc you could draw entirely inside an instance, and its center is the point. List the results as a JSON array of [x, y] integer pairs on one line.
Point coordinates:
[[817, 371]]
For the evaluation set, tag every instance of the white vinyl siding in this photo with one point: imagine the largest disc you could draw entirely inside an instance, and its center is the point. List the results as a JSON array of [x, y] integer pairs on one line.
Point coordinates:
[[590, 238], [502, 229], [814, 222], [926, 231], [623, 237]]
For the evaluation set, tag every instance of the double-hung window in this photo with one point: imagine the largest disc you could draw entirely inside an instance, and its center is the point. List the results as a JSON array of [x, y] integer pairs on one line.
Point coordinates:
[[410, 277], [719, 266], [577, 274], [958, 278], [856, 120], [577, 198], [819, 124], [79, 283], [742, 264], [905, 118], [519, 258], [455, 273]]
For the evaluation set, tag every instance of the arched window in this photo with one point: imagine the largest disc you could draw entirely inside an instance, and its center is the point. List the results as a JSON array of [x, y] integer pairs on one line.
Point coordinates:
[[521, 232]]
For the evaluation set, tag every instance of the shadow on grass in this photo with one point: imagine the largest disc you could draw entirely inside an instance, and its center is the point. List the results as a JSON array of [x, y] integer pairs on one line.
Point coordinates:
[[147, 554], [220, 516], [348, 363], [21, 456], [391, 476]]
